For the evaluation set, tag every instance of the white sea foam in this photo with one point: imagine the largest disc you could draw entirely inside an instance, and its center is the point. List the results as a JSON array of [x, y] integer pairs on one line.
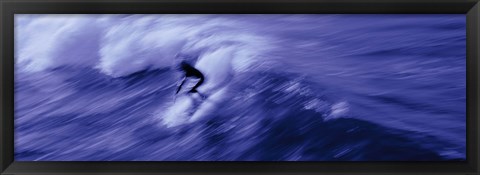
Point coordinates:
[[49, 41], [119, 45], [338, 110], [178, 113]]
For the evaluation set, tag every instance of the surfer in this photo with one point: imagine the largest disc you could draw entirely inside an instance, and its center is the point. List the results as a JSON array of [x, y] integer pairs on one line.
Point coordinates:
[[191, 71]]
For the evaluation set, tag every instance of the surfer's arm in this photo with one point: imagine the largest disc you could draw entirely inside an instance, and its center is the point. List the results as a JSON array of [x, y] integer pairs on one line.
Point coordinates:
[[181, 84]]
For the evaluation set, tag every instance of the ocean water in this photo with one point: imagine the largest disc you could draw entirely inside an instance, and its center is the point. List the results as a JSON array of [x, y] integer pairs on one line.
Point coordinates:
[[277, 88]]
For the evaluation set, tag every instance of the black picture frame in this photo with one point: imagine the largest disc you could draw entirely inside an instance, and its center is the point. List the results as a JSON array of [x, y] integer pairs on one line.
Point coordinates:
[[10, 7]]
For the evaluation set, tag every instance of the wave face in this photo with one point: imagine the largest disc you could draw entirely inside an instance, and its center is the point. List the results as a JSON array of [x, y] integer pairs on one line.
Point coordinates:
[[277, 87]]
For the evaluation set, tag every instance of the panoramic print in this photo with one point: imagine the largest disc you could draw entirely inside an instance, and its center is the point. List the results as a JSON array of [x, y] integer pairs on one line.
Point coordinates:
[[271, 87]]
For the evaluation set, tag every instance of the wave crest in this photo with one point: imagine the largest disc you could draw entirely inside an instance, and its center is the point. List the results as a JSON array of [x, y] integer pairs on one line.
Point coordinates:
[[146, 42]]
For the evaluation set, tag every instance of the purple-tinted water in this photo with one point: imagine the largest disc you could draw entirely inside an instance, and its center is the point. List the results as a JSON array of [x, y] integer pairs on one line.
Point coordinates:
[[278, 87]]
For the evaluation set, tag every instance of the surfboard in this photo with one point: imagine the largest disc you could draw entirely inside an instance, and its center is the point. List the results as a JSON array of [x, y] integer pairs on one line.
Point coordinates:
[[183, 108]]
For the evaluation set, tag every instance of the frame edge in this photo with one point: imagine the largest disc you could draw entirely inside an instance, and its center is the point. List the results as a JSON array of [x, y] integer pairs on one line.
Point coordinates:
[[6, 107], [2, 132], [473, 56]]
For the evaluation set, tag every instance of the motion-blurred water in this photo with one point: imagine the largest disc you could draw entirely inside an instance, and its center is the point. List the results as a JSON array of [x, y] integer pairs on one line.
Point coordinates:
[[279, 87]]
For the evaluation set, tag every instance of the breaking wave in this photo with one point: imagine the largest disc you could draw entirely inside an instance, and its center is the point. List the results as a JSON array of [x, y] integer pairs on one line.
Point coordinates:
[[280, 87], [122, 45]]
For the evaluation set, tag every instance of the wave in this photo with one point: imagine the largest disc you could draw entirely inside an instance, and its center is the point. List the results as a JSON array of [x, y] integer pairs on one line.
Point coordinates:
[[278, 88], [264, 116], [121, 45], [256, 92]]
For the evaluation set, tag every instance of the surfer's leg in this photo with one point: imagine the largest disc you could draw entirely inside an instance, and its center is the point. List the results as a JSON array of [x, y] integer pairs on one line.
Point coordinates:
[[200, 82], [194, 89]]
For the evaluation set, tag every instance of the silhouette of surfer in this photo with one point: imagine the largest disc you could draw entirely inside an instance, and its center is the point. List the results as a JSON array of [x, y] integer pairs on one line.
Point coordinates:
[[191, 71]]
